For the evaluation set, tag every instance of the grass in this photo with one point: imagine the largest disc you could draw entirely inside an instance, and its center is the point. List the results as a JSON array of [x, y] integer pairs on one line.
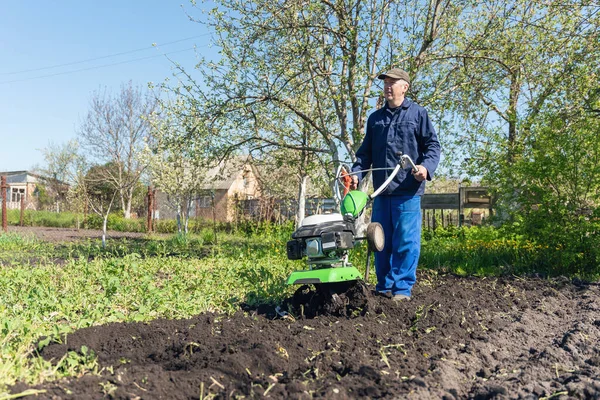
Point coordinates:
[[479, 257], [44, 218], [48, 290], [116, 222], [485, 251], [129, 281]]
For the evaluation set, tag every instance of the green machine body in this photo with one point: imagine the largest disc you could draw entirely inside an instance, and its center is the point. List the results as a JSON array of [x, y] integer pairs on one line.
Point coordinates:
[[354, 203]]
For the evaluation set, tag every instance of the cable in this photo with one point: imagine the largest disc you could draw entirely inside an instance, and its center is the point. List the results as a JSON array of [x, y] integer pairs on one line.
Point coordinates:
[[102, 57], [96, 67]]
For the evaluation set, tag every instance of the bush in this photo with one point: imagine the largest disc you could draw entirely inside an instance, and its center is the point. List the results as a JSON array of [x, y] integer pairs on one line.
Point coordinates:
[[540, 242], [165, 226], [117, 222], [93, 221], [571, 241]]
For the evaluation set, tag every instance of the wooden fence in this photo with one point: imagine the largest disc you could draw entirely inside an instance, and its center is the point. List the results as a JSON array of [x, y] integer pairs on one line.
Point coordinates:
[[470, 205]]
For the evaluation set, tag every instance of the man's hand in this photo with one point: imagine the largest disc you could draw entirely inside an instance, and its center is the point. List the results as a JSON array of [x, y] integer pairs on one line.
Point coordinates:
[[421, 174], [354, 183]]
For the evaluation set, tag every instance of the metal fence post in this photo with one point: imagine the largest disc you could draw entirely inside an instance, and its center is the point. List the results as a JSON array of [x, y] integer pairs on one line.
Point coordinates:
[[22, 210], [3, 187], [150, 208]]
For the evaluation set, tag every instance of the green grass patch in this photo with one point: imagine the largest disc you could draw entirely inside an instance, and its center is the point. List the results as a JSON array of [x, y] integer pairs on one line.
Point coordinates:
[[485, 251], [48, 290], [55, 289], [44, 218], [116, 222]]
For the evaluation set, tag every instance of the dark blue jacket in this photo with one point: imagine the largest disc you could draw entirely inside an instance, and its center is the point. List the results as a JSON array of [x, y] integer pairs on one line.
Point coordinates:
[[391, 133]]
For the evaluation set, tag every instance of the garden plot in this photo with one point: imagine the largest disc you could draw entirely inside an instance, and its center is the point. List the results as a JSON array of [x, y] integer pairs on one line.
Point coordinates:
[[457, 338]]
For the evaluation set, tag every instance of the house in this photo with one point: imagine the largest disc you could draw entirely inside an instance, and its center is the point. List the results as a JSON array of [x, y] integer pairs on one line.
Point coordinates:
[[224, 184], [21, 185], [237, 179]]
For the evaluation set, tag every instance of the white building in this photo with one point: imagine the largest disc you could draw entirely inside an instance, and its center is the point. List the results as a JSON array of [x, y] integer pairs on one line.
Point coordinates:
[[21, 184]]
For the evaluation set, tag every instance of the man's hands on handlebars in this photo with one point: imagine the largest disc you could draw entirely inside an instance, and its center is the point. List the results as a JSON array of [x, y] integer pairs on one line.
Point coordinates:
[[419, 175]]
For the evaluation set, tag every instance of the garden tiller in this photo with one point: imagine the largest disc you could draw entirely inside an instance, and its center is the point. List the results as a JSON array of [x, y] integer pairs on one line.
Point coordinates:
[[326, 239]]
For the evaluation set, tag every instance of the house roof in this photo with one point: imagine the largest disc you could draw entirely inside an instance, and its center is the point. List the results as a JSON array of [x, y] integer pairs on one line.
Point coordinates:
[[223, 175], [11, 173], [13, 176], [282, 182]]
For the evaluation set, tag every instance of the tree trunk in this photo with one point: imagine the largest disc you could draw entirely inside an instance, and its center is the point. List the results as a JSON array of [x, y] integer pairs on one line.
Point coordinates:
[[179, 218], [104, 225], [127, 210], [301, 210], [122, 198], [512, 115], [186, 215]]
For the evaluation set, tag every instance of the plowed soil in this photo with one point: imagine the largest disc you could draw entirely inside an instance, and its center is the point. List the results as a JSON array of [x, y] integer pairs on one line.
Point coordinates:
[[458, 337]]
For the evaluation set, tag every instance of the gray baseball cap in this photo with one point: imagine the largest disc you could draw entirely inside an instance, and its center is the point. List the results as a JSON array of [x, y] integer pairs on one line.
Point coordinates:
[[395, 73]]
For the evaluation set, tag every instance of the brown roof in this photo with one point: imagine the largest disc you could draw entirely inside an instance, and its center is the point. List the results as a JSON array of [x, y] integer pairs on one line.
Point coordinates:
[[223, 175]]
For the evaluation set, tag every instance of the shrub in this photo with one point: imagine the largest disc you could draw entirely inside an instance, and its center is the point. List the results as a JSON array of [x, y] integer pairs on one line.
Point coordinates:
[[571, 241]]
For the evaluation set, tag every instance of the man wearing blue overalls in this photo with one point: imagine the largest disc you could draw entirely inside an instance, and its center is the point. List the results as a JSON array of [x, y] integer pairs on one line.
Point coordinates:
[[400, 127]]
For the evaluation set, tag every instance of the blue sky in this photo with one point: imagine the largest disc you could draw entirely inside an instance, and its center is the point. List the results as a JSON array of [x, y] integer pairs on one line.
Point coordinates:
[[36, 108]]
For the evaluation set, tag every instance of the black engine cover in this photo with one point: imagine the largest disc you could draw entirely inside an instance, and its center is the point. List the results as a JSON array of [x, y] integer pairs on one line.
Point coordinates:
[[337, 241]]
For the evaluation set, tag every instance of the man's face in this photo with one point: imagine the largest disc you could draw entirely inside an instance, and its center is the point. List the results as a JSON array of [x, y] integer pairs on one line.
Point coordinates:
[[394, 89]]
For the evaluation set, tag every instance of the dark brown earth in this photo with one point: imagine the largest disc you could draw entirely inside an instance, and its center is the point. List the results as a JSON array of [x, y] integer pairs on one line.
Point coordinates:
[[57, 235], [478, 338]]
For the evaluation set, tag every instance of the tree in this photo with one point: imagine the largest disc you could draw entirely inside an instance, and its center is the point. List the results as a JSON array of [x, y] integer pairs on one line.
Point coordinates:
[[286, 142], [58, 169], [83, 184], [177, 167], [559, 166], [289, 174], [485, 71], [559, 206], [522, 58], [97, 193], [317, 61], [113, 132], [314, 65]]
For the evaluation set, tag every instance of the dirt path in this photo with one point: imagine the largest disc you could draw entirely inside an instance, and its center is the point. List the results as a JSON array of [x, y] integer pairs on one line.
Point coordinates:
[[57, 235], [457, 338]]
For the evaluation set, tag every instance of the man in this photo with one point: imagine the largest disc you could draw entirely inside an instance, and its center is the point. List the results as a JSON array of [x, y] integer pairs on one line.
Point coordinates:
[[399, 127]]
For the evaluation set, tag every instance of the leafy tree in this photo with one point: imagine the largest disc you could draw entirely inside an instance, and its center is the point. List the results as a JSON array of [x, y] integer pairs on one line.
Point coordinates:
[[113, 132], [520, 59], [289, 144], [57, 170], [98, 194], [289, 174], [559, 206], [550, 186], [318, 62], [84, 184], [488, 72], [311, 68], [178, 167]]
